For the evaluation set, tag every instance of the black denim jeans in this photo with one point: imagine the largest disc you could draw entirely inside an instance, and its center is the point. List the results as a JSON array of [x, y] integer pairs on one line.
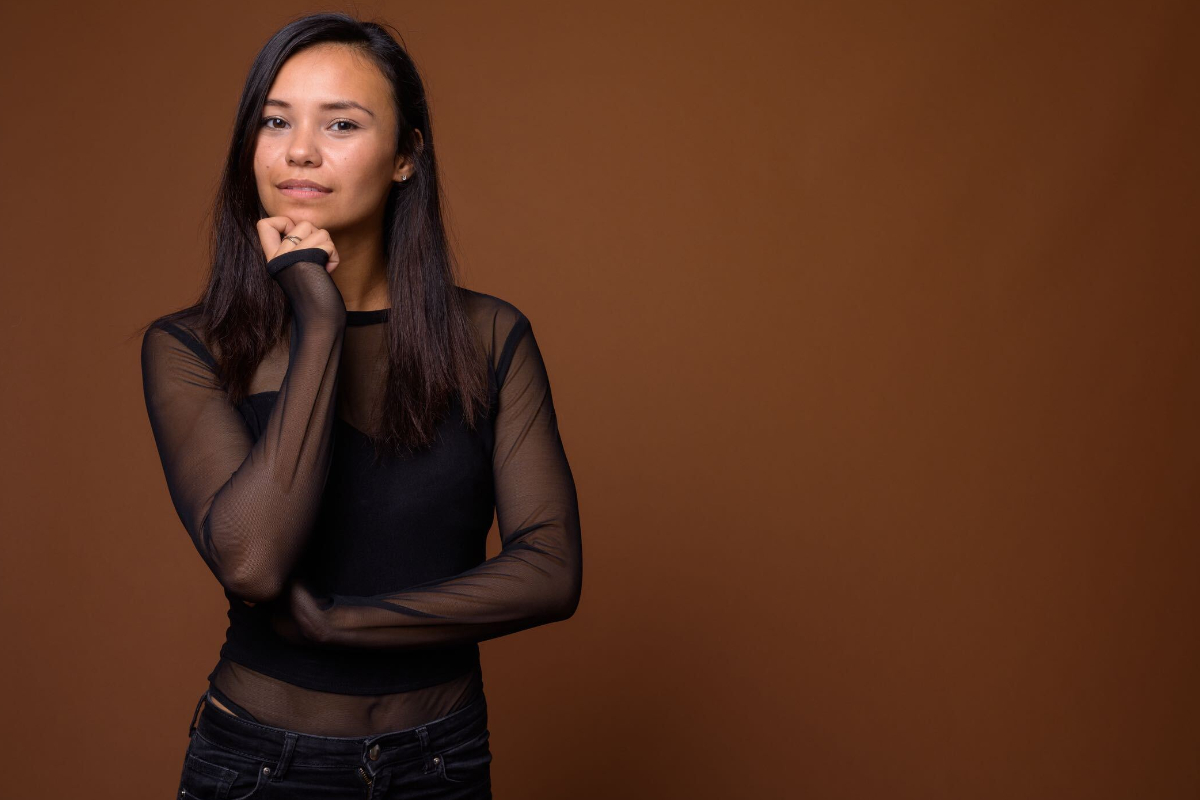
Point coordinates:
[[230, 758]]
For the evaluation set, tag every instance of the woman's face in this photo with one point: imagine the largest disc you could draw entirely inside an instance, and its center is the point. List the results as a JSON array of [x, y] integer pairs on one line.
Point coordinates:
[[329, 119]]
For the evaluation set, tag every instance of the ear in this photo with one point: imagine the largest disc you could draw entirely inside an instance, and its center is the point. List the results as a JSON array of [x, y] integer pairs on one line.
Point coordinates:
[[404, 166], [403, 169]]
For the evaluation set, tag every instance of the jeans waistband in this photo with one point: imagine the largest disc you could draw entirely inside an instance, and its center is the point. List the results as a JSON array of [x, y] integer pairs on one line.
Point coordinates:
[[267, 742]]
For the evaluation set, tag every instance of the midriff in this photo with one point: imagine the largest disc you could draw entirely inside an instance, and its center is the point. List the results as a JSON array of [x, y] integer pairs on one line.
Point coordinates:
[[284, 705]]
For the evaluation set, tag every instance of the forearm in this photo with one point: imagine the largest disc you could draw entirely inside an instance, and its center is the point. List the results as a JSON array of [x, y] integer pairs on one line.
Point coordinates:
[[262, 517], [526, 586]]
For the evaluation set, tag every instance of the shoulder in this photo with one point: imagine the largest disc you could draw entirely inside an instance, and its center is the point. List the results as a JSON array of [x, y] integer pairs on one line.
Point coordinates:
[[508, 336], [499, 322], [178, 330], [490, 307]]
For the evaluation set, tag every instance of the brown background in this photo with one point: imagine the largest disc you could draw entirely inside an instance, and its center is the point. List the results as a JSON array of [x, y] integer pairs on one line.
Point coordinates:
[[873, 334]]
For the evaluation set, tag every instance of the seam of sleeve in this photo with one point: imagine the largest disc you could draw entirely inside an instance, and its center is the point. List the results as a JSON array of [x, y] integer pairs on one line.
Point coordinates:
[[191, 342], [510, 346]]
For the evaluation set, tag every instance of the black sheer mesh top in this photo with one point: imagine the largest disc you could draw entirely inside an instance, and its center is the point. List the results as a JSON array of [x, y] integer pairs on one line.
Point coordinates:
[[359, 590]]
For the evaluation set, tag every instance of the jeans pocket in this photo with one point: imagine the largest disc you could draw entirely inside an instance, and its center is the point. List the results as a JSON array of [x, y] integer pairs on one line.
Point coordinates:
[[469, 761], [213, 773]]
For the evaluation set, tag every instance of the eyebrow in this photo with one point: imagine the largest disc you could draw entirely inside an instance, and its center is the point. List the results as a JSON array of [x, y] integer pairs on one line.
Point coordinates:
[[335, 105]]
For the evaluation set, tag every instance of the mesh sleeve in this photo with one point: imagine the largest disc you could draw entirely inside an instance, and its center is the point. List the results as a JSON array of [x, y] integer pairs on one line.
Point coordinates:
[[249, 506], [537, 576]]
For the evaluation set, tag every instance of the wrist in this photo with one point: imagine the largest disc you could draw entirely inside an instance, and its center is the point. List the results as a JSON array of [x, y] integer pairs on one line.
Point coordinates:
[[313, 254]]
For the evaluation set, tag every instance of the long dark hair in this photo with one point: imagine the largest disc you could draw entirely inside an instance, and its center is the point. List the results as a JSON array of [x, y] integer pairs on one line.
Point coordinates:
[[433, 352]]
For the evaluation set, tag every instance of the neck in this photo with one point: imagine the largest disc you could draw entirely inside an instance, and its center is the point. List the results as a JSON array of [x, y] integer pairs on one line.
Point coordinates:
[[361, 275]]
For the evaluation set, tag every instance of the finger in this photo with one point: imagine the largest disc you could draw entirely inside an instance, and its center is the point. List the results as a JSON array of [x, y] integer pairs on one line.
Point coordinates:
[[320, 238], [297, 234], [303, 229], [295, 238], [278, 224], [271, 231]]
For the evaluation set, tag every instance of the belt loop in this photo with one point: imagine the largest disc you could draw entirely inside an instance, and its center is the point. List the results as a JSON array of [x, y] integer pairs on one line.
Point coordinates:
[[196, 713], [423, 735], [285, 758]]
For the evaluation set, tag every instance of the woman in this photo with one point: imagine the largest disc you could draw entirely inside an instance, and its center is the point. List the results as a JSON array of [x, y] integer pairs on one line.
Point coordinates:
[[338, 421]]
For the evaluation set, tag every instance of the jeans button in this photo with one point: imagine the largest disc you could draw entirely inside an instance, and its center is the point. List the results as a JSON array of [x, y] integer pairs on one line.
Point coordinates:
[[373, 753]]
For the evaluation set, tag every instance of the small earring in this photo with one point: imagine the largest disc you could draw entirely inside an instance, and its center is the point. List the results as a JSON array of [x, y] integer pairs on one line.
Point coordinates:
[[403, 177]]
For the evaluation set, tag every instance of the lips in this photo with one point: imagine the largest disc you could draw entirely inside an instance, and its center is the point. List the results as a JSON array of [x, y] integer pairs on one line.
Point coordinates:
[[302, 184]]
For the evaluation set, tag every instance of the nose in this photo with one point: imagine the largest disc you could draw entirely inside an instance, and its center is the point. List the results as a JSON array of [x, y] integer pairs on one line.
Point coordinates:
[[301, 147]]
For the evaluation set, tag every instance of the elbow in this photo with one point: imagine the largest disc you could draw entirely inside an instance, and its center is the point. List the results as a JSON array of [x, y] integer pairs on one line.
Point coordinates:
[[567, 608], [570, 581], [242, 577], [233, 569], [253, 586], [568, 597]]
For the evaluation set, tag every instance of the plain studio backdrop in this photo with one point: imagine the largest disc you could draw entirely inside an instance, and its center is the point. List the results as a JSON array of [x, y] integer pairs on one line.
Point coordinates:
[[873, 335]]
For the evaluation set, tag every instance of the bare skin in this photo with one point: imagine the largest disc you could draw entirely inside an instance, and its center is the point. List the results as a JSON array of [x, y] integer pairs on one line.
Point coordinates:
[[350, 150], [213, 700]]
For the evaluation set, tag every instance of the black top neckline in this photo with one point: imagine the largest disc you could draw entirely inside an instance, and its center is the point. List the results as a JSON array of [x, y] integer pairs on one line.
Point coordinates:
[[367, 317]]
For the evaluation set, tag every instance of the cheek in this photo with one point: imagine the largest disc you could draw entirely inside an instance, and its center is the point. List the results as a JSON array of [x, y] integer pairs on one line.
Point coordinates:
[[262, 163], [363, 162], [266, 153]]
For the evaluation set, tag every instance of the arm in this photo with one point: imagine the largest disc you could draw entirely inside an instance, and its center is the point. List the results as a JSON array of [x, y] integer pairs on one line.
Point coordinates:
[[249, 506], [536, 578]]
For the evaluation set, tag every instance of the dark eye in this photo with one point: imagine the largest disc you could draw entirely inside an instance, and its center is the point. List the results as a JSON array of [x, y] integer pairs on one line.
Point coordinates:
[[266, 123]]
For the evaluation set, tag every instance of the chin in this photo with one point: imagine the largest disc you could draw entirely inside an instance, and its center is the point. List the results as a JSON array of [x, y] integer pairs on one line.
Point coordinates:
[[298, 213]]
